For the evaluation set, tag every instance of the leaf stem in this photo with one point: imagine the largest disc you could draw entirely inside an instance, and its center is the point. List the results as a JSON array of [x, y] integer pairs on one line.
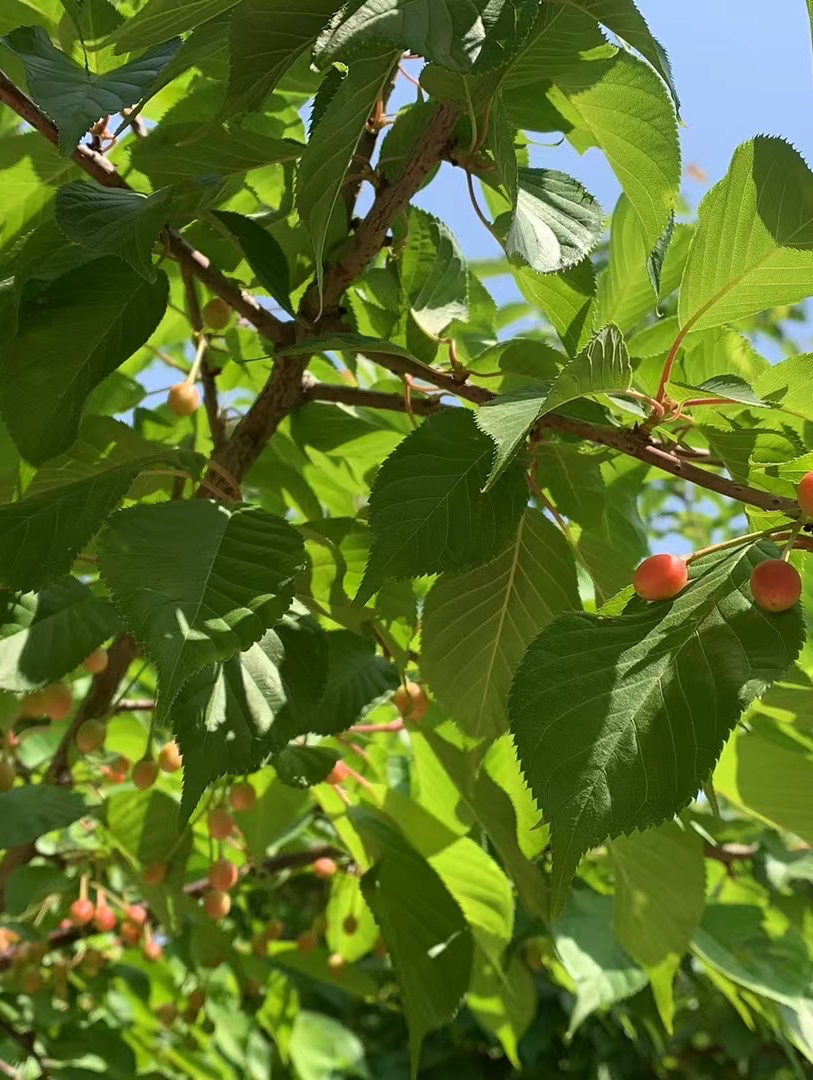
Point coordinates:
[[736, 541], [670, 362]]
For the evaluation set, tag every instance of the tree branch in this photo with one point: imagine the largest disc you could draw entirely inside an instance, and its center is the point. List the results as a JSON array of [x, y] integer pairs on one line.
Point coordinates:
[[372, 399], [27, 1040], [217, 425], [104, 173]]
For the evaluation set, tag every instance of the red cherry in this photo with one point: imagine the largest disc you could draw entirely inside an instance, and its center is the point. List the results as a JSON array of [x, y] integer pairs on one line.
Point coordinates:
[[152, 950], [242, 796], [660, 577], [325, 868], [217, 904], [805, 494], [105, 918], [776, 585], [307, 941], [222, 875], [57, 701], [137, 914], [339, 772], [220, 824], [82, 911], [130, 933]]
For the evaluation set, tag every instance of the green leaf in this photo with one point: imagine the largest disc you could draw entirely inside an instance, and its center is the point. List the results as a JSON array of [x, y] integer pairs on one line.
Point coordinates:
[[348, 342], [228, 718], [79, 329], [26, 813], [481, 34], [504, 1002], [45, 635], [321, 1047], [197, 581], [428, 938], [346, 900], [30, 172], [433, 274], [329, 154], [304, 766], [72, 95], [556, 221], [427, 510], [677, 674], [159, 20], [107, 221], [602, 972], [602, 367], [726, 386], [476, 626], [624, 19], [733, 272], [768, 780], [501, 142], [71, 496], [265, 38], [786, 385], [626, 109], [263, 254], [29, 885], [566, 298], [357, 680], [144, 825], [660, 892]]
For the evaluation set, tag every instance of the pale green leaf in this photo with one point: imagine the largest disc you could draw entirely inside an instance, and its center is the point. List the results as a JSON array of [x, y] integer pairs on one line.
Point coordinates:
[[329, 153], [556, 221], [346, 902], [566, 299], [45, 635], [433, 274], [107, 221], [786, 385], [159, 20], [476, 626], [321, 1047], [31, 170], [678, 673], [73, 96], [144, 825], [79, 329], [427, 510], [26, 813], [602, 367], [504, 1002], [198, 581], [733, 270]]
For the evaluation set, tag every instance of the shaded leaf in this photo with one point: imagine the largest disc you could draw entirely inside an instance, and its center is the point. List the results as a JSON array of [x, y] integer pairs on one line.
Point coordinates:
[[357, 680], [159, 20], [433, 274], [26, 813], [263, 254], [304, 766]]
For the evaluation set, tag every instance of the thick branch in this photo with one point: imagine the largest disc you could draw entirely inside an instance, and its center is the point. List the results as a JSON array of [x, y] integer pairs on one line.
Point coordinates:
[[373, 399], [104, 173]]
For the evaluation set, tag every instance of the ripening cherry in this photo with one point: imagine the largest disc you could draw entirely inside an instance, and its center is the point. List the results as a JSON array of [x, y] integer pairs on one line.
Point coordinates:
[[804, 494], [130, 933], [217, 904], [104, 918], [167, 1014], [152, 950], [169, 758], [31, 705], [217, 313], [197, 999], [660, 577], [242, 796], [96, 663], [145, 773], [136, 914], [325, 867], [91, 736], [8, 775], [220, 823], [776, 585], [411, 702], [338, 773], [82, 911], [57, 701], [259, 947], [155, 873], [183, 399], [222, 875]]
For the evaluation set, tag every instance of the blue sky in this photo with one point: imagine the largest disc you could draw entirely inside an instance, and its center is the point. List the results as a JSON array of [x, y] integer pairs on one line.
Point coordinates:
[[742, 67]]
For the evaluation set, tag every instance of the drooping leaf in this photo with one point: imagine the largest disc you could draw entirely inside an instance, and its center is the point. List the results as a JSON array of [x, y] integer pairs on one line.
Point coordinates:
[[45, 635], [197, 582], [733, 272], [304, 766], [265, 38], [159, 20], [423, 926], [678, 673], [556, 223], [73, 96], [627, 111], [263, 254], [26, 813], [602, 367], [71, 496], [107, 221], [476, 626], [79, 329], [433, 274], [481, 34], [427, 510], [593, 957], [230, 717], [357, 680], [328, 154]]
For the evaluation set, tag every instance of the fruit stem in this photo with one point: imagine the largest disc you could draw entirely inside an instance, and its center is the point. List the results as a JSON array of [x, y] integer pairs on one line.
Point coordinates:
[[200, 352], [792, 536], [736, 541]]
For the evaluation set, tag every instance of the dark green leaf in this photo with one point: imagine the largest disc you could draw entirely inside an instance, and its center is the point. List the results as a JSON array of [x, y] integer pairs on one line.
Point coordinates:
[[26, 813], [263, 254], [357, 680], [304, 766]]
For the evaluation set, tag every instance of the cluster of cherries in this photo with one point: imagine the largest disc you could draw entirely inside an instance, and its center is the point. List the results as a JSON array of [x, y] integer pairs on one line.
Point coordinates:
[[183, 398], [775, 584]]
